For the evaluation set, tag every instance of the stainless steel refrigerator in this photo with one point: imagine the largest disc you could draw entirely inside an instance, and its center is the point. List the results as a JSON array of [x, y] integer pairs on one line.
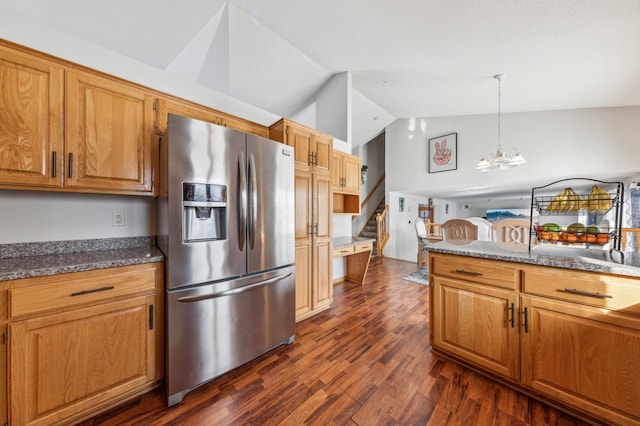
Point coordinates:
[[226, 227]]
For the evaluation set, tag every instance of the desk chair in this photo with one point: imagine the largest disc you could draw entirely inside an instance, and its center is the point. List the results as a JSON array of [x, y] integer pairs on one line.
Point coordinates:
[[459, 229]]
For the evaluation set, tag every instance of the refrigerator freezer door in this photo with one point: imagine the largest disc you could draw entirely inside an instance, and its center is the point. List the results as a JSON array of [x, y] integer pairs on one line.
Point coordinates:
[[200, 152], [271, 216], [214, 328]]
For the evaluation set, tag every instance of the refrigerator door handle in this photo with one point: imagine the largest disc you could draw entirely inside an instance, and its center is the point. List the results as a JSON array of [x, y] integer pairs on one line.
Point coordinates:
[[234, 291], [242, 201], [253, 201]]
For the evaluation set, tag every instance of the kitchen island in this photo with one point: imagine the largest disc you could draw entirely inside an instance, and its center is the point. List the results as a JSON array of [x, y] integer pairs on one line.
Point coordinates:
[[560, 324]]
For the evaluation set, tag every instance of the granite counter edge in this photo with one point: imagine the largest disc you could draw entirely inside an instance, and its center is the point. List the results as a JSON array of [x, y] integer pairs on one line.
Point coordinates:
[[548, 261]]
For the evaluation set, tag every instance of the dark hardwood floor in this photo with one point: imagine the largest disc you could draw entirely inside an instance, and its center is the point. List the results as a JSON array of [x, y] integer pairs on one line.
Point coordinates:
[[366, 361]]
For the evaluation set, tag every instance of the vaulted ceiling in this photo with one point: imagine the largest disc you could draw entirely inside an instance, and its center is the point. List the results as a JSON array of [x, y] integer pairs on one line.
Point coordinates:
[[407, 58]]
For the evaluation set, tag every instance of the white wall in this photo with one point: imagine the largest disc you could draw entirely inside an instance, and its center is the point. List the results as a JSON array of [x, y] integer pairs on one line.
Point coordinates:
[[371, 154], [33, 216], [557, 144], [599, 142], [334, 107], [341, 223]]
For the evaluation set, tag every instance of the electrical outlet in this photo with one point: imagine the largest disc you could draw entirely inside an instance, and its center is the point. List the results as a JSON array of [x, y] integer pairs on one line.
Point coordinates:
[[117, 219]]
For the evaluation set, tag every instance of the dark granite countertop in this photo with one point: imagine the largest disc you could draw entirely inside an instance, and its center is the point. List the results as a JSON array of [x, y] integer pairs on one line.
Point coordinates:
[[620, 263], [26, 260], [347, 241]]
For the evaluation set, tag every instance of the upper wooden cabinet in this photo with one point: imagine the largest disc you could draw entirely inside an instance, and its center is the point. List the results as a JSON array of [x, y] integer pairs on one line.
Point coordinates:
[[191, 110], [345, 173], [345, 183], [108, 135], [31, 120], [66, 129], [312, 149]]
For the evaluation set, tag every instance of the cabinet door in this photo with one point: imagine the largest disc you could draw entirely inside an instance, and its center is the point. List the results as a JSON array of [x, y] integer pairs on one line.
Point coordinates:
[[583, 356], [322, 207], [31, 105], [108, 135], [74, 362], [477, 323], [322, 248], [303, 207], [351, 173], [166, 106], [304, 279], [336, 171], [300, 140], [303, 239], [322, 279], [323, 148]]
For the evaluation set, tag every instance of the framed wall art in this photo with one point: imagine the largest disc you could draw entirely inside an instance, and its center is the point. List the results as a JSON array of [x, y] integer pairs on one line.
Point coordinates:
[[443, 153]]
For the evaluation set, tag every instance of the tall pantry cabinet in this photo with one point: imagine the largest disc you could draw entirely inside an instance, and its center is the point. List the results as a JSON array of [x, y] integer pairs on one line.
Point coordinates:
[[313, 210]]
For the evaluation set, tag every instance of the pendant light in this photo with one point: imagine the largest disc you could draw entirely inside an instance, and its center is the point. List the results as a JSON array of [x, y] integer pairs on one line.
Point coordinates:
[[501, 159]]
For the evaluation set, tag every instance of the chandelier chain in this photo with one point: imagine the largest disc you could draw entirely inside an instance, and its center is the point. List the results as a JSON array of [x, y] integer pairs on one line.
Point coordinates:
[[499, 78]]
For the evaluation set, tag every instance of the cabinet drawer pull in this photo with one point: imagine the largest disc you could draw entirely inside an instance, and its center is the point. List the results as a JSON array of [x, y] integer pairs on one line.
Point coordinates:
[[586, 293], [345, 251], [475, 274], [526, 320], [54, 160], [96, 290]]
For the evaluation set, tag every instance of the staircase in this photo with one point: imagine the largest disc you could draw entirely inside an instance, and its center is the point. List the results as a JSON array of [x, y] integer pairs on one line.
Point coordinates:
[[370, 229]]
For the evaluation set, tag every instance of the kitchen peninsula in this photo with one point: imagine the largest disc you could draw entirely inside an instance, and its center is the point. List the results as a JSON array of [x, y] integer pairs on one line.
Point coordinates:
[[560, 324]]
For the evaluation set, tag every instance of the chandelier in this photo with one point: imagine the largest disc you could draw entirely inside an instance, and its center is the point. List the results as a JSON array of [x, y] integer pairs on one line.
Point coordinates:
[[501, 159]]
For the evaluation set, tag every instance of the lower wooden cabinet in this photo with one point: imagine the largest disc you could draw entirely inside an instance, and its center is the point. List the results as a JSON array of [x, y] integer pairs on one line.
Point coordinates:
[[584, 357], [571, 338], [71, 360], [477, 324]]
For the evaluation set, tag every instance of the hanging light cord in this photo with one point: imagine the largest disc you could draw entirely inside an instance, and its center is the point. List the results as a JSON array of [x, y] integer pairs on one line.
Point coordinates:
[[499, 78]]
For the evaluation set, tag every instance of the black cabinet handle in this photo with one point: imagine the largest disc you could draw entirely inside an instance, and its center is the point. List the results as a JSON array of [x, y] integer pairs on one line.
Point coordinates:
[[151, 317], [526, 320], [96, 290], [513, 315], [586, 293], [475, 274], [54, 160], [70, 164]]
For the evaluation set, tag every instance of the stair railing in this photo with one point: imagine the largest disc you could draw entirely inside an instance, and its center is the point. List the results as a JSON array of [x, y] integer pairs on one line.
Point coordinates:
[[383, 230]]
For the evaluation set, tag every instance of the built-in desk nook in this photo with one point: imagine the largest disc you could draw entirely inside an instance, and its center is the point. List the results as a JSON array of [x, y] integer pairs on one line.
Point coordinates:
[[358, 252]]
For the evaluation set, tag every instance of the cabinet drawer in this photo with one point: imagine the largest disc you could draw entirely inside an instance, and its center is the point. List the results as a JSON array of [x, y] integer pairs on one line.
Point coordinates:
[[343, 251], [79, 289], [490, 272], [363, 247], [587, 288]]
